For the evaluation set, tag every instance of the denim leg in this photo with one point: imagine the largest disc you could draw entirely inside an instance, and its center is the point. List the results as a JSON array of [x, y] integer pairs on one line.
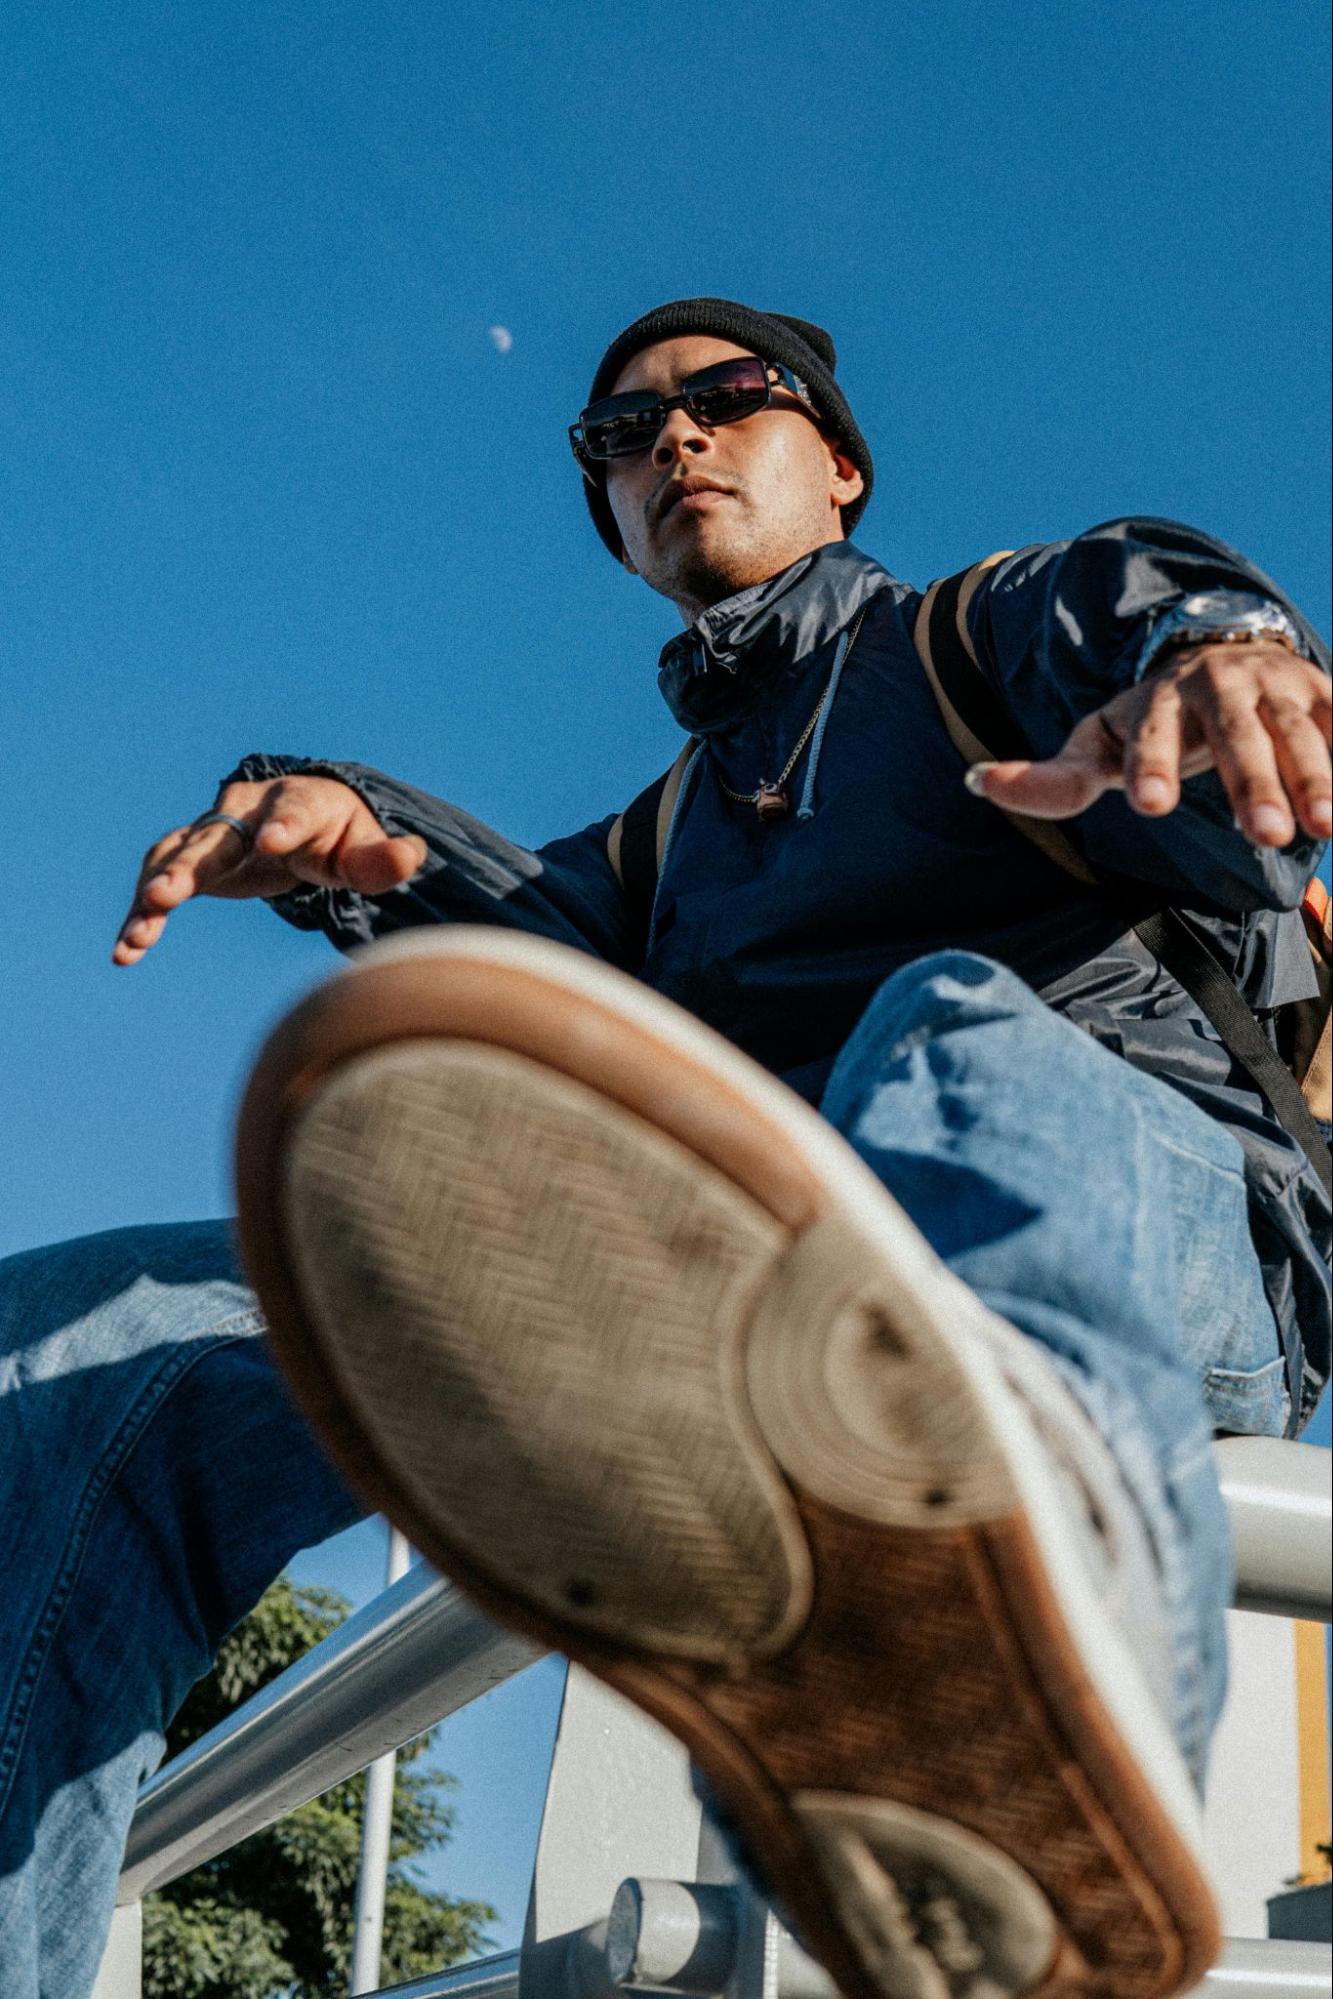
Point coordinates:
[[155, 1477], [1102, 1214]]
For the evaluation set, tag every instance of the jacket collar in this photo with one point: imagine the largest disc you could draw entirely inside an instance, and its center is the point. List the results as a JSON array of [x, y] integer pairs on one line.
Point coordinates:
[[717, 673]]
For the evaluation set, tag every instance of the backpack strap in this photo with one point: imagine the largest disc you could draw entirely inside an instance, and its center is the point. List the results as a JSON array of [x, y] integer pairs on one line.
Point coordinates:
[[1193, 966], [980, 728], [979, 725], [1312, 1019], [636, 841]]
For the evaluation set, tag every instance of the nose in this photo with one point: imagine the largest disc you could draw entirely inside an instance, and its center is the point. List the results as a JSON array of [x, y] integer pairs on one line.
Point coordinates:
[[680, 437]]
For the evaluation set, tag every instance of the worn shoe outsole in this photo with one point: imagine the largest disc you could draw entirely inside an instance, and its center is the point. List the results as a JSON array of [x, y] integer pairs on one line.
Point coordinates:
[[635, 1348]]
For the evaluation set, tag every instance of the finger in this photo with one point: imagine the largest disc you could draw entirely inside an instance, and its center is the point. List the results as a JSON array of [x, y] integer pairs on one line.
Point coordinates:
[[169, 844], [1246, 761], [373, 867], [1058, 787], [138, 935], [1303, 763], [296, 817], [1152, 754], [158, 858], [175, 868], [205, 855], [152, 861]]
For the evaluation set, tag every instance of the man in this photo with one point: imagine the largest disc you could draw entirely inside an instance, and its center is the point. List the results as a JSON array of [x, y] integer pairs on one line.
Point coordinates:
[[866, 1445]]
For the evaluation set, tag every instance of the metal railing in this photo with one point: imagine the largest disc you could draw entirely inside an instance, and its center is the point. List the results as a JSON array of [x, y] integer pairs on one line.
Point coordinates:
[[1247, 1970], [1281, 1511], [652, 1948], [488, 1978], [419, 1652], [416, 1654]]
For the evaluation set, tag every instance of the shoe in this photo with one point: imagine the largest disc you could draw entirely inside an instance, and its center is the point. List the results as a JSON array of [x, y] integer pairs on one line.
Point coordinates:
[[635, 1348]]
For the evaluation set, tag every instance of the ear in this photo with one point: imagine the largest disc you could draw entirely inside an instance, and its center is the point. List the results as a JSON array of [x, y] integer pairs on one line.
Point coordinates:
[[845, 482]]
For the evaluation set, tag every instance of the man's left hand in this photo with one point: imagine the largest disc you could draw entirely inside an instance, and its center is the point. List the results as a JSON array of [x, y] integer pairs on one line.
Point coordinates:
[[1255, 712]]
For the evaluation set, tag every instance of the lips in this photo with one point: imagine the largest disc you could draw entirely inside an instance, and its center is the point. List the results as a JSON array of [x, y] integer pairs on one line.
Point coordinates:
[[683, 489]]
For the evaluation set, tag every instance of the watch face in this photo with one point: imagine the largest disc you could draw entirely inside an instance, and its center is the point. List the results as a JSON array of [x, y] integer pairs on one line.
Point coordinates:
[[1224, 617], [1210, 608]]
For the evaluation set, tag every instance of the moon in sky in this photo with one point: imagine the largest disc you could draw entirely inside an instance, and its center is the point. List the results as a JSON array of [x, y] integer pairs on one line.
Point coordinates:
[[501, 339]]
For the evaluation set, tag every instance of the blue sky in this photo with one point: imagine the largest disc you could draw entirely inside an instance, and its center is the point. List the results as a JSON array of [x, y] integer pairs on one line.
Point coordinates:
[[270, 483]]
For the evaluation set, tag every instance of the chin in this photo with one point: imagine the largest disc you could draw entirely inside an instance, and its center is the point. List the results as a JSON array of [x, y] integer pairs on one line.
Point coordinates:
[[712, 569], [705, 581]]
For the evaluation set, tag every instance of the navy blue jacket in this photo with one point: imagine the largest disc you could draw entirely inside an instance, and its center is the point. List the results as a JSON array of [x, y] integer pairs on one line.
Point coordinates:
[[778, 935]]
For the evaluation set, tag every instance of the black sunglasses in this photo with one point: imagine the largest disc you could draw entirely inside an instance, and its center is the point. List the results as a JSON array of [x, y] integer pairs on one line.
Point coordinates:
[[619, 426]]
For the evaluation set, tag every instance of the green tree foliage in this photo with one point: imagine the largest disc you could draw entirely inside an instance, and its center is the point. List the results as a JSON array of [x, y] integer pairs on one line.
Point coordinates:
[[272, 1919]]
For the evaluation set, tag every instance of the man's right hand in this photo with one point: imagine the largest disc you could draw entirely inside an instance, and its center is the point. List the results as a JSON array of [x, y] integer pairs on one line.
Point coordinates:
[[305, 829]]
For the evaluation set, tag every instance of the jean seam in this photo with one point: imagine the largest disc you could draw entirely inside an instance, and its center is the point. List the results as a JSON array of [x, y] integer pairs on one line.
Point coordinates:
[[1182, 1466], [1277, 1363], [1194, 1720], [1223, 1168], [131, 1428]]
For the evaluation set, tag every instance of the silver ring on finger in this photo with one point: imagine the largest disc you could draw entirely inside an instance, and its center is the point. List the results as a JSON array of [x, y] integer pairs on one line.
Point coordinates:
[[238, 826]]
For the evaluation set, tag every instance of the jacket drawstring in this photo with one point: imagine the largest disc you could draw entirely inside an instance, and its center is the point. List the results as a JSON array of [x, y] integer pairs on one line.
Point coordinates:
[[806, 809]]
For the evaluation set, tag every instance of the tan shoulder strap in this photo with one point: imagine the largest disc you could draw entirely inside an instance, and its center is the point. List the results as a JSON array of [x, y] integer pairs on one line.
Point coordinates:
[[665, 805], [1312, 1042], [614, 841], [670, 793], [944, 646]]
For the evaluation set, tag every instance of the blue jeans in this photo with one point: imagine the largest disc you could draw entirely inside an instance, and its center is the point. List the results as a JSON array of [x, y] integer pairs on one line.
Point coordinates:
[[157, 1477]]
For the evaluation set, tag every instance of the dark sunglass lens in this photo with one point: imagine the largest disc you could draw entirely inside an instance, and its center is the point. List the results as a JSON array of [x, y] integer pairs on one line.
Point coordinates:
[[728, 392], [620, 425], [723, 405]]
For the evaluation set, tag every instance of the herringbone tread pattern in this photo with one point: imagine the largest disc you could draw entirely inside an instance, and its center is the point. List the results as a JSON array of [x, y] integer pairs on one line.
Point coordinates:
[[926, 1697], [522, 1249]]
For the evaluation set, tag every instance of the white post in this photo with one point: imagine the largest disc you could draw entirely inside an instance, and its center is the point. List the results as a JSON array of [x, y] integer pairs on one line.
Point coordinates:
[[121, 1973], [376, 1823]]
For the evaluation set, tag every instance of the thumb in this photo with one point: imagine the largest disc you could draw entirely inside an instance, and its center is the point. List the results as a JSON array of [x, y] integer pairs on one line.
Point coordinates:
[[373, 867], [1057, 787]]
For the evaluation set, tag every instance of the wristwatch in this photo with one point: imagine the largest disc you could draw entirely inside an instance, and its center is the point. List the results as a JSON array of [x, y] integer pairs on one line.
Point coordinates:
[[1217, 617]]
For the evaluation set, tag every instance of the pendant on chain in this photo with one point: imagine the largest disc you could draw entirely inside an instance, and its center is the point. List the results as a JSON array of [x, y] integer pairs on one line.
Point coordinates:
[[770, 800]]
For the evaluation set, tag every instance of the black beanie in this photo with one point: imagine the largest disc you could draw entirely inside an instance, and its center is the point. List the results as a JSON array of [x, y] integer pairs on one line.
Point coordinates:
[[806, 349]]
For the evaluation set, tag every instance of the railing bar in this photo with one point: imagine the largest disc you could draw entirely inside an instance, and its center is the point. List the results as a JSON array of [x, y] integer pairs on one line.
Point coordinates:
[[1280, 1504], [489, 1978], [1250, 1968], [416, 1654], [1269, 1968]]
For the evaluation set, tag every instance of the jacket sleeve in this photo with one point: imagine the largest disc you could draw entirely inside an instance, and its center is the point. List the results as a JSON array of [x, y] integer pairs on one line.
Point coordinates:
[[1062, 628], [565, 890]]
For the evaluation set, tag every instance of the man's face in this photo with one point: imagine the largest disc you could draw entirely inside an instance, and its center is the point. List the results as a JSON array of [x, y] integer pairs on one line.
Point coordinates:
[[706, 512]]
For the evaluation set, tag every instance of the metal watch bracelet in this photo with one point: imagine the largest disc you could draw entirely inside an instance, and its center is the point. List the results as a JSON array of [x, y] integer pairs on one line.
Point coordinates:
[[1222, 618]]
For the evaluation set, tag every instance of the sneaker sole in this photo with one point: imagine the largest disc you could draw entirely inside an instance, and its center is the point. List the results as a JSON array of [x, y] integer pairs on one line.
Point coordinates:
[[674, 1387]]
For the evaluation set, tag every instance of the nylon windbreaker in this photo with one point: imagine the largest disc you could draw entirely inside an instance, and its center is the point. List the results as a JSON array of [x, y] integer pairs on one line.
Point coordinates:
[[778, 934]]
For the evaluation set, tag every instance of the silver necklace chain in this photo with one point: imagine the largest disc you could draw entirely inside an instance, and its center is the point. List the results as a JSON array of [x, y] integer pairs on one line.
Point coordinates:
[[775, 790]]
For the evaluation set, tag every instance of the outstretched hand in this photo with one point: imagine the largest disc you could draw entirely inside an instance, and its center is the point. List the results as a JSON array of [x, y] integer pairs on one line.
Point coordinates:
[[302, 829], [1256, 713]]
